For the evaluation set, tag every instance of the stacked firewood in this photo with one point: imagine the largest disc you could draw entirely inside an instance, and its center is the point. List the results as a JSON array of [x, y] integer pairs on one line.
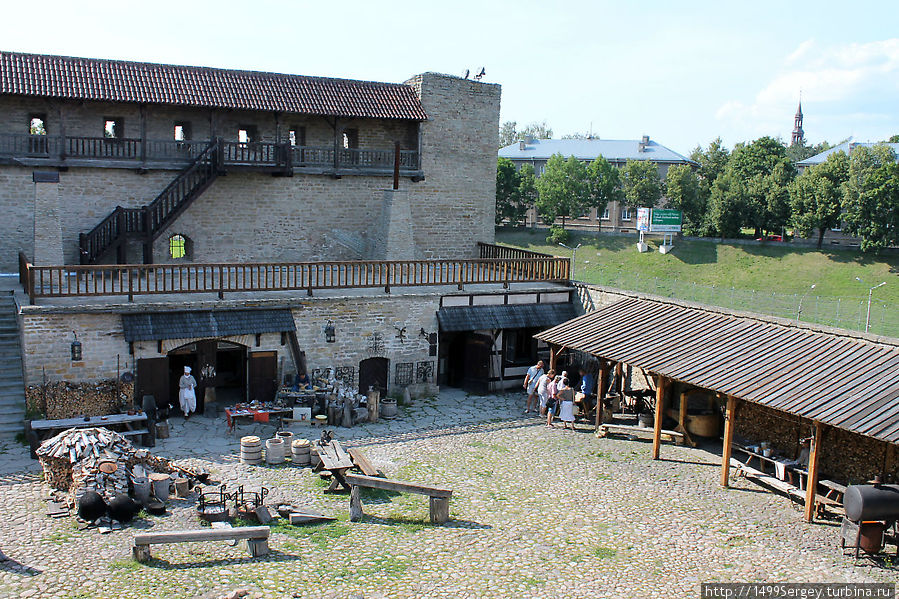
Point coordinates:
[[68, 400], [71, 461]]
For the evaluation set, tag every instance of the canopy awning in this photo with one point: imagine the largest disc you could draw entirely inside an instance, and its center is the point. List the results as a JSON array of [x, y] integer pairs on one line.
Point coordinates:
[[514, 316], [189, 325]]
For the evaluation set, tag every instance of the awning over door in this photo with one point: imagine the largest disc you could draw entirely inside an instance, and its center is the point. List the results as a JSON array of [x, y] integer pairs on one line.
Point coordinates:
[[188, 325], [515, 316]]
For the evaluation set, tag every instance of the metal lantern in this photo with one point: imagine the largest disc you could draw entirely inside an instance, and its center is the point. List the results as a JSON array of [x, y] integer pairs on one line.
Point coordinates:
[[329, 332], [76, 349]]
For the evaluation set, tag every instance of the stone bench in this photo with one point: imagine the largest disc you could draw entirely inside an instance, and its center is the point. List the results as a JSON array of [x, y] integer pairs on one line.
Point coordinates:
[[256, 537], [439, 507]]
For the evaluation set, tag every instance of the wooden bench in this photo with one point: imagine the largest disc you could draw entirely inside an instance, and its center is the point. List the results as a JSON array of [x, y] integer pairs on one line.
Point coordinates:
[[362, 463], [256, 537], [639, 431], [822, 503], [439, 506]]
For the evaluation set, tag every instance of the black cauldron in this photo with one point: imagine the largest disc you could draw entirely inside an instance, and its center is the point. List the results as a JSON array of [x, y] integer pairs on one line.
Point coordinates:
[[92, 506], [123, 508]]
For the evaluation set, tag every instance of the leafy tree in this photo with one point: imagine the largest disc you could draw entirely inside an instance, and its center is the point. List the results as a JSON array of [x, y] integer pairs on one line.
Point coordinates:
[[764, 171], [507, 134], [816, 196], [712, 163], [727, 201], [562, 189], [682, 188], [509, 204], [871, 197], [603, 184], [641, 183], [527, 186], [894, 139], [801, 151], [536, 131]]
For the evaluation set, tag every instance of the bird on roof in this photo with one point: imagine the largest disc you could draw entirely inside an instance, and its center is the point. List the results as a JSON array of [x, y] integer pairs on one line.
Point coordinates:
[[480, 74]]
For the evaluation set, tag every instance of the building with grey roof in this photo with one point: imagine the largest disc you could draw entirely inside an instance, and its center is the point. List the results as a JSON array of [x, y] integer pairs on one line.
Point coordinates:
[[617, 151]]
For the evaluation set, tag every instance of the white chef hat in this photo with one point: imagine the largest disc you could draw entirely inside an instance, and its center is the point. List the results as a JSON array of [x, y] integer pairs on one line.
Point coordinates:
[[187, 370]]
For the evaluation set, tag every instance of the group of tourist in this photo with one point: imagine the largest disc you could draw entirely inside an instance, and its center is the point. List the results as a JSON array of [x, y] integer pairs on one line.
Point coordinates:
[[552, 393]]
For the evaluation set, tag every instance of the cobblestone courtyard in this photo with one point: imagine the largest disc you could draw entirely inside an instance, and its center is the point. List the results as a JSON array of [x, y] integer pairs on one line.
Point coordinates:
[[535, 513]]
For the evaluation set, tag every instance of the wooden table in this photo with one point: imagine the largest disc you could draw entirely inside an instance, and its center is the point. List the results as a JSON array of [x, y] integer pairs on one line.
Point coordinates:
[[257, 414], [789, 469], [337, 461]]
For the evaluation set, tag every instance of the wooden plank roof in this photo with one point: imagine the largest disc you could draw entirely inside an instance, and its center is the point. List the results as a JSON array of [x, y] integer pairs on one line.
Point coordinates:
[[837, 377], [141, 82]]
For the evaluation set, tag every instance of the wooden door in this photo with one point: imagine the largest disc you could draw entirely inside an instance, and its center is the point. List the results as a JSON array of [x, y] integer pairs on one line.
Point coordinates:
[[374, 372], [152, 379], [478, 350], [262, 375]]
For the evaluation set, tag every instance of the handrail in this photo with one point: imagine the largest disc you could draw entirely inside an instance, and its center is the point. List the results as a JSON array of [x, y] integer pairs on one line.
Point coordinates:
[[149, 279], [491, 250]]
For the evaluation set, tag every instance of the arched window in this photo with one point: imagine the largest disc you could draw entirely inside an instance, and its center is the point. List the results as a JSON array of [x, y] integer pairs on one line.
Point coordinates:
[[179, 247]]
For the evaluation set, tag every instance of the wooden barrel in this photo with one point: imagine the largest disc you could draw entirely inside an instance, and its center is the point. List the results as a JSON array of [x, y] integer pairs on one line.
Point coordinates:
[[314, 459], [251, 450], [274, 451], [287, 437], [301, 452], [387, 408]]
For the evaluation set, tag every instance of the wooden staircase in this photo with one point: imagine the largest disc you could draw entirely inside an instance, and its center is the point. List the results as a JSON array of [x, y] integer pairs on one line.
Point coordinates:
[[147, 223]]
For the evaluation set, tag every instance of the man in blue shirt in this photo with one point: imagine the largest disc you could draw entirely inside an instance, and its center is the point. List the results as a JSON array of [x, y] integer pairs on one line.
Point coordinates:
[[585, 399], [530, 385]]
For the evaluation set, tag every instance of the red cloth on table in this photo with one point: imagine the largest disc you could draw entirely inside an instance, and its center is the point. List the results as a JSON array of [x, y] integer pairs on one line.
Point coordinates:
[[260, 417]]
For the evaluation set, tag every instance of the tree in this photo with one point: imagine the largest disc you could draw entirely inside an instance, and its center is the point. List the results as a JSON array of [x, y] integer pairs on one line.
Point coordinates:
[[562, 189], [683, 191], [603, 184], [816, 196], [871, 197], [712, 163], [761, 171], [894, 139], [801, 151], [507, 134], [726, 204], [509, 204], [641, 184], [527, 186]]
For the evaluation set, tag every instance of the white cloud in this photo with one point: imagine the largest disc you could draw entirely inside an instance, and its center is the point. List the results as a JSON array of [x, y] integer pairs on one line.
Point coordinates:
[[840, 79]]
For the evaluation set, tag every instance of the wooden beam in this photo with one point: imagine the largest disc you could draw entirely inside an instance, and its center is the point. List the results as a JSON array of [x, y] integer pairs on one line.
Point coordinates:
[[812, 482], [660, 409], [729, 425], [553, 356], [601, 390], [396, 485]]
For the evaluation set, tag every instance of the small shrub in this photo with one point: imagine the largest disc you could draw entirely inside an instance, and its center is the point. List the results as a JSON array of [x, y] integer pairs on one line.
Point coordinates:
[[558, 235]]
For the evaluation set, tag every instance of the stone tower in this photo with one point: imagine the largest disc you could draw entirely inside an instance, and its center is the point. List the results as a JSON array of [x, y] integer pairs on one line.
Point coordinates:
[[798, 134]]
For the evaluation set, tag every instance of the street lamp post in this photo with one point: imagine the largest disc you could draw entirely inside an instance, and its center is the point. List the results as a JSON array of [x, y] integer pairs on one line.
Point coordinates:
[[573, 256], [870, 293], [799, 311]]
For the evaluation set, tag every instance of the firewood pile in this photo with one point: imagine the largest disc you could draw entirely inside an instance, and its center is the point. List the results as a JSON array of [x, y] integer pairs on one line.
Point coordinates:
[[67, 400], [71, 461]]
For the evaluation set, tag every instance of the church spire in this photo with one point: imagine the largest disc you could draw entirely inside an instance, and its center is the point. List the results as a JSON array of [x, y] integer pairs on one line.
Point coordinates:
[[798, 136]]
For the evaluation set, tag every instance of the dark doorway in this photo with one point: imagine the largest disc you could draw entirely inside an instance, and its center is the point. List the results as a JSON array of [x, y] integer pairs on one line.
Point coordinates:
[[218, 365], [468, 361], [153, 379], [263, 375], [374, 372]]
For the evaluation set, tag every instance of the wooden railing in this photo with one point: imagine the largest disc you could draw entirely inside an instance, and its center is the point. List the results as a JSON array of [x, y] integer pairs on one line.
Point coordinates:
[[154, 152], [139, 279], [491, 250]]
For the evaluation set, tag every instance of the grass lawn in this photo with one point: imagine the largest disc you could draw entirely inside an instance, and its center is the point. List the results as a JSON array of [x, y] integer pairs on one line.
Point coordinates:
[[767, 268]]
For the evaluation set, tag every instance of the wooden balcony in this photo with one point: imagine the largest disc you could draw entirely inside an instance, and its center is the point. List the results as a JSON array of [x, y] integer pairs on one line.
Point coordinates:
[[58, 151], [132, 280]]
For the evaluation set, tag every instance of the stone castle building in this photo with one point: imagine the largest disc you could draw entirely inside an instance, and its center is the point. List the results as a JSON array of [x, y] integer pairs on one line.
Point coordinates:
[[175, 215]]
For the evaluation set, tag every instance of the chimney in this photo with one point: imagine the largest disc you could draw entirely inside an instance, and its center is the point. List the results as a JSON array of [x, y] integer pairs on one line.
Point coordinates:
[[522, 145], [643, 143]]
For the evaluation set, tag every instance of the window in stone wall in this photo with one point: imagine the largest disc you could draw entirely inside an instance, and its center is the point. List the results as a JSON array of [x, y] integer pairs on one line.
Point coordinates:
[[113, 128], [183, 131], [625, 213], [179, 247], [297, 136], [247, 134], [350, 139], [37, 124], [605, 214]]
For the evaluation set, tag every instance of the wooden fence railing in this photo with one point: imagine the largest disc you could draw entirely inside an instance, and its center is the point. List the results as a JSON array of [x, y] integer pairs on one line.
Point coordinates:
[[491, 250], [148, 279]]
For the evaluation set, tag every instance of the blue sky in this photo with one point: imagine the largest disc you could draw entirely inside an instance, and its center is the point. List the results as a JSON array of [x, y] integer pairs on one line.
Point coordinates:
[[682, 73]]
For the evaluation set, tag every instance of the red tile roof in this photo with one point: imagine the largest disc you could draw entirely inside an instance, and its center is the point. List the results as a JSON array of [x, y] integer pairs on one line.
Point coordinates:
[[141, 82]]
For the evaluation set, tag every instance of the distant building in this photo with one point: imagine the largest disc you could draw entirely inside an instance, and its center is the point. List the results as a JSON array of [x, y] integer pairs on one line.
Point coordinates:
[[798, 136], [617, 151]]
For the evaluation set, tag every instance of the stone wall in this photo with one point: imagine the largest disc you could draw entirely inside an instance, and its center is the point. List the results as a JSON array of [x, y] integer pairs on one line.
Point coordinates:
[[365, 327], [257, 217]]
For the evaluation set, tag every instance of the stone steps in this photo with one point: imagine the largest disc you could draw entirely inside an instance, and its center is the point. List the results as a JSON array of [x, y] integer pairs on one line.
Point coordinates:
[[12, 384]]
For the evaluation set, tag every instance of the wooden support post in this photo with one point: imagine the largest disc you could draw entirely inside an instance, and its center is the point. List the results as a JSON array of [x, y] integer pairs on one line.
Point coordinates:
[[660, 410], [355, 504], [553, 356], [811, 488], [439, 511], [601, 390], [141, 553], [729, 424]]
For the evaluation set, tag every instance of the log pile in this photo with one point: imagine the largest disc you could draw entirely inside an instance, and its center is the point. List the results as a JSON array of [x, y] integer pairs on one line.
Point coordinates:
[[69, 400], [71, 462]]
